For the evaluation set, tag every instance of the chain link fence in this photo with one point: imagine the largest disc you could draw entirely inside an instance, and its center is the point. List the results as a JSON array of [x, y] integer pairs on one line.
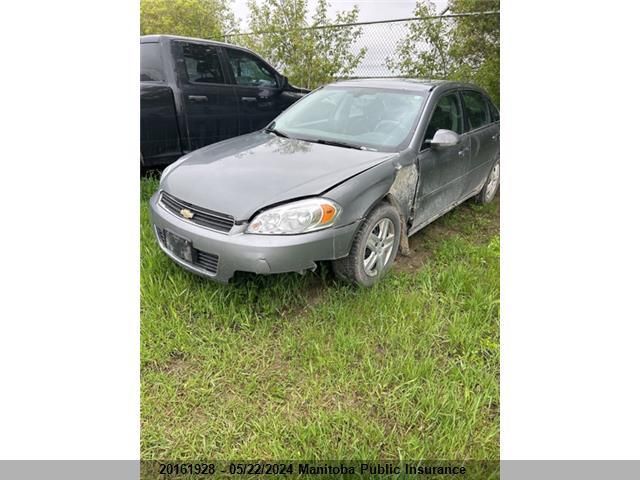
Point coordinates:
[[405, 47]]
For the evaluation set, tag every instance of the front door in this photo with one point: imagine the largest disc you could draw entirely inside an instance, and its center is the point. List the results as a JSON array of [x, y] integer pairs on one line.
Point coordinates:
[[209, 101], [259, 96], [442, 169]]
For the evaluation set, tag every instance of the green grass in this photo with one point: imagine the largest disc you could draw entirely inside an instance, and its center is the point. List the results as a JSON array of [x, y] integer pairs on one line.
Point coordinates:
[[303, 367]]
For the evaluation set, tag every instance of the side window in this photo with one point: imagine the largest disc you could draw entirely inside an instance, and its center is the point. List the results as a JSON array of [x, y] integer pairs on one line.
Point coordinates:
[[249, 70], [447, 115], [495, 114], [202, 63], [151, 62], [476, 109]]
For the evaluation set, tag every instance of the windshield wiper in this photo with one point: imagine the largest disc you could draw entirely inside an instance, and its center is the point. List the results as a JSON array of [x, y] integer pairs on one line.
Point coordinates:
[[337, 144], [276, 132]]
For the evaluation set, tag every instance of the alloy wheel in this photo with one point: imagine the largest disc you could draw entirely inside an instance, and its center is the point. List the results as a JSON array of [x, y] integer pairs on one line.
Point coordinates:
[[379, 247]]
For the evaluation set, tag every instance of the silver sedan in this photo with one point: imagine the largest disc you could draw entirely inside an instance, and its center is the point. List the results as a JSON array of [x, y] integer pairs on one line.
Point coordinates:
[[345, 175]]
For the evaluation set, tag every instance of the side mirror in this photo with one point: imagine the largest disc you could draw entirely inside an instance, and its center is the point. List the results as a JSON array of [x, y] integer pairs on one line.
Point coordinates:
[[445, 138], [283, 82]]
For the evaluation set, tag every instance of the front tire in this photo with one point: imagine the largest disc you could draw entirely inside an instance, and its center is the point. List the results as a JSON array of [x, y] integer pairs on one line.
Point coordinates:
[[374, 248], [491, 186]]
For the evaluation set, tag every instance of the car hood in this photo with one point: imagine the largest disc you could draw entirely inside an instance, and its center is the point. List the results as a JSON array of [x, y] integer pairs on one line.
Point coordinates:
[[245, 174]]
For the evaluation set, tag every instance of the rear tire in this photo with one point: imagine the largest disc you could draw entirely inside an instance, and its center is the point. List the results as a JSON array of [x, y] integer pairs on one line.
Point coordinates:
[[491, 186], [374, 248]]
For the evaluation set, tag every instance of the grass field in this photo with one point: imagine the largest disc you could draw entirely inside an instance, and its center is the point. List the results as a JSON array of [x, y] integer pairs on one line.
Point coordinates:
[[303, 367]]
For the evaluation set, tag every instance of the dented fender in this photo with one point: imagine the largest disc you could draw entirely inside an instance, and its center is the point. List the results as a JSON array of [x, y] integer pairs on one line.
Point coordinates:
[[393, 179], [360, 193], [404, 187]]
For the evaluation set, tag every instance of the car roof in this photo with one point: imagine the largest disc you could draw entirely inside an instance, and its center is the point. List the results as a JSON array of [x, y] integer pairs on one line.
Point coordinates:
[[157, 38], [415, 84]]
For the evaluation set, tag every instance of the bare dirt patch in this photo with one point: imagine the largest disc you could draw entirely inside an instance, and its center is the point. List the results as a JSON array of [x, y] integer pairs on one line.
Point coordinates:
[[178, 364]]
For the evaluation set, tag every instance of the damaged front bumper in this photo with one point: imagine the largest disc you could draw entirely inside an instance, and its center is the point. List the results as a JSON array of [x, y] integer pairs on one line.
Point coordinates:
[[219, 256]]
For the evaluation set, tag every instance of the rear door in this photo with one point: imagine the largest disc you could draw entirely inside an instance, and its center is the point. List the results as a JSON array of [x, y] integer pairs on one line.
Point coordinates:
[[208, 98], [495, 121], [159, 134], [260, 97], [483, 135], [442, 170]]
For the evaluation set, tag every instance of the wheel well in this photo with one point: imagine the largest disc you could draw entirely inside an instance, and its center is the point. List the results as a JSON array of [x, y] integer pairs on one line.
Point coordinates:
[[391, 200]]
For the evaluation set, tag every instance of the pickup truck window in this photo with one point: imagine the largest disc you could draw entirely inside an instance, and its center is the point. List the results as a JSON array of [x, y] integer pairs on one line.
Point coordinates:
[[151, 63], [249, 70], [202, 63]]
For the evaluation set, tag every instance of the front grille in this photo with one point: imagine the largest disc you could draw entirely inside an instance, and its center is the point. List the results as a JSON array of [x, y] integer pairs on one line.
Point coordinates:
[[207, 261], [201, 216]]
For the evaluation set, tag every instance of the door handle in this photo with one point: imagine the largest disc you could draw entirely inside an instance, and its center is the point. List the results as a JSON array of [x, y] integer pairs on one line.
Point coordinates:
[[249, 99], [198, 98], [463, 151]]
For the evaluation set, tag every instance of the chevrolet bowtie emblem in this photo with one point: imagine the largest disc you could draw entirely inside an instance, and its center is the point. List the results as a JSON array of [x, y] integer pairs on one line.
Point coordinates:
[[186, 213]]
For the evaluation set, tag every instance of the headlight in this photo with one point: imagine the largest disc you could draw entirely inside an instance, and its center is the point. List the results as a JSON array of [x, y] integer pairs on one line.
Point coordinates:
[[296, 217]]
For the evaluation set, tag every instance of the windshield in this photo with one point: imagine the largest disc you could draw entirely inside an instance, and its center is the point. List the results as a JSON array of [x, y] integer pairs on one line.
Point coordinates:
[[379, 119]]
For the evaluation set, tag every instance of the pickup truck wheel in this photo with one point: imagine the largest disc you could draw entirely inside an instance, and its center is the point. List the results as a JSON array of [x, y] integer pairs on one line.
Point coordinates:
[[491, 186], [374, 248]]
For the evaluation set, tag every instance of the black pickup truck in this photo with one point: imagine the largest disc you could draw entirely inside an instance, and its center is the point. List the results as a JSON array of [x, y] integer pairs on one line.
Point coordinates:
[[196, 92]]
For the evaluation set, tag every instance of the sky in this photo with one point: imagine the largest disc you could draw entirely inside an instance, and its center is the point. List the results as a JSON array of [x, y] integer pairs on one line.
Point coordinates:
[[380, 40], [370, 10]]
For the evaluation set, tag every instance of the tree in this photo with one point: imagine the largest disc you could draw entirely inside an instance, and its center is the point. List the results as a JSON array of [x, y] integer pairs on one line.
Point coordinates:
[[425, 51], [476, 44], [191, 18], [310, 56], [463, 48]]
